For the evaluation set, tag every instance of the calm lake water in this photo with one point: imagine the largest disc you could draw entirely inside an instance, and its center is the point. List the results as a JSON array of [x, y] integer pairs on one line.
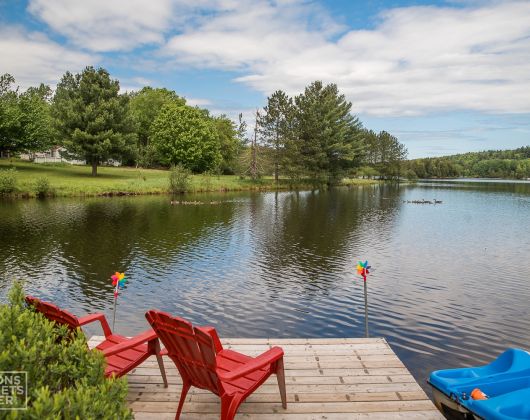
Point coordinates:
[[450, 285]]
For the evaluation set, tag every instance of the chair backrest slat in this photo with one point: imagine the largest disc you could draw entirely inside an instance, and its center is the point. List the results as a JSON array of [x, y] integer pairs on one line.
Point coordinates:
[[54, 313], [192, 350]]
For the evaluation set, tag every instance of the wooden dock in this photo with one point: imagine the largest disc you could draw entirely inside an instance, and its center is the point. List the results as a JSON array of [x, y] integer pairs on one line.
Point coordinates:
[[332, 379]]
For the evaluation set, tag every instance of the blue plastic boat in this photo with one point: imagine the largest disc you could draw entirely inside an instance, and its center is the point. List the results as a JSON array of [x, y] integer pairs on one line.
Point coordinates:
[[497, 391]]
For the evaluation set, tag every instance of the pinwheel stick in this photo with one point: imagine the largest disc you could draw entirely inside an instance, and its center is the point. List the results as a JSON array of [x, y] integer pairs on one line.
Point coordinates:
[[362, 269], [118, 280], [366, 307], [114, 312]]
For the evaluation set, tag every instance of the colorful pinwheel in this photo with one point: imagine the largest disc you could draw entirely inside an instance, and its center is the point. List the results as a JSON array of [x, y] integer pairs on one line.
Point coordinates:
[[118, 281], [363, 269]]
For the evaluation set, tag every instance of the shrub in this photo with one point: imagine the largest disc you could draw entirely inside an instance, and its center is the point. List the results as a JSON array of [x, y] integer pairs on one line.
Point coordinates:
[[8, 181], [42, 187], [65, 379], [179, 179]]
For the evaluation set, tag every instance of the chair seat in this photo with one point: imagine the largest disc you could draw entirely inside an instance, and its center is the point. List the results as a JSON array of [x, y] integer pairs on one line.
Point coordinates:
[[123, 362], [228, 361]]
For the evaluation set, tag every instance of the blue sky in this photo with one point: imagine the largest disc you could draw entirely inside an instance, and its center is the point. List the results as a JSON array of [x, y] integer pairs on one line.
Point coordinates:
[[443, 76]]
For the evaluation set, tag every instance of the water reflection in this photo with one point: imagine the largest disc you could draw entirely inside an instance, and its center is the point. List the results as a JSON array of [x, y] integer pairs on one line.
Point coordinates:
[[449, 286]]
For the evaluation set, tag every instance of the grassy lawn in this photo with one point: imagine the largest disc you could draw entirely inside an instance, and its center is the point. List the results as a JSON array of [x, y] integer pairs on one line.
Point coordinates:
[[73, 180]]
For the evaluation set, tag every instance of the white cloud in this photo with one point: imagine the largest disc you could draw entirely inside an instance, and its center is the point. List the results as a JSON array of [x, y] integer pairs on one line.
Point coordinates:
[[201, 102], [121, 25], [33, 58], [253, 33], [418, 59], [129, 88], [103, 25], [142, 81]]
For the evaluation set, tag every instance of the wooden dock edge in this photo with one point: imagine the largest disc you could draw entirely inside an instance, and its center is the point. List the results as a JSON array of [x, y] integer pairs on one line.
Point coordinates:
[[327, 378]]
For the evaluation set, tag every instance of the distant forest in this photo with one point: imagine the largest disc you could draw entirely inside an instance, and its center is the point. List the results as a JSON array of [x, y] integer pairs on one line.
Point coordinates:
[[514, 164]]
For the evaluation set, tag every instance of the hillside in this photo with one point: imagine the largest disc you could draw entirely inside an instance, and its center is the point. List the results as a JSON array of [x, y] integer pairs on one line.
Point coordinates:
[[511, 164]]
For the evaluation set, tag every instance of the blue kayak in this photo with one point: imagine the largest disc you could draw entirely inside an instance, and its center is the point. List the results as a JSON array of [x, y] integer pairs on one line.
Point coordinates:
[[497, 391]]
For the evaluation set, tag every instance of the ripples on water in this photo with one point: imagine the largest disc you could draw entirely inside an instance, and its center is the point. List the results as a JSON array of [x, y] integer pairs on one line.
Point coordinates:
[[450, 285]]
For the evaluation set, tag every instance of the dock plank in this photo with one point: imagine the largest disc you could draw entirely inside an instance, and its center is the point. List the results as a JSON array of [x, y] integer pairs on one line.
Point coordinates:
[[332, 379]]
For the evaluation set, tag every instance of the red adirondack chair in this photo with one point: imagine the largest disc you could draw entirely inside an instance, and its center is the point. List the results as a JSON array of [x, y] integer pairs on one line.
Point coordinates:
[[122, 354], [203, 363]]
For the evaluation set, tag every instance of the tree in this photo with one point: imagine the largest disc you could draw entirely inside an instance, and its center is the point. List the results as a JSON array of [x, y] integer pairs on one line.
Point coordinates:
[[370, 147], [384, 153], [254, 149], [184, 135], [391, 155], [229, 142], [92, 118], [25, 121], [145, 106], [329, 135], [36, 121], [276, 126], [10, 115], [367, 171]]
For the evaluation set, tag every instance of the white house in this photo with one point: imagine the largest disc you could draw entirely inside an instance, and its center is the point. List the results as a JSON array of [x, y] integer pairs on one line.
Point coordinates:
[[55, 155]]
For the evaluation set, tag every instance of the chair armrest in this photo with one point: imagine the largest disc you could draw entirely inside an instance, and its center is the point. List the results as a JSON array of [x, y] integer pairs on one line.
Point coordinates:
[[212, 333], [142, 338], [96, 317], [264, 359]]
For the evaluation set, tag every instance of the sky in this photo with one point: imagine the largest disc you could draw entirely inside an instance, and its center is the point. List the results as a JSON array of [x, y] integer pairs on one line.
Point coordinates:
[[444, 77]]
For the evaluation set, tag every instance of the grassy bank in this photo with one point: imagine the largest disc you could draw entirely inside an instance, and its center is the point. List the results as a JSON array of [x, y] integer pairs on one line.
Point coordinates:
[[69, 180]]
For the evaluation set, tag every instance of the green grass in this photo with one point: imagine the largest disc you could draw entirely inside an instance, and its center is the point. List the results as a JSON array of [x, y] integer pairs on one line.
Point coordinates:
[[73, 180]]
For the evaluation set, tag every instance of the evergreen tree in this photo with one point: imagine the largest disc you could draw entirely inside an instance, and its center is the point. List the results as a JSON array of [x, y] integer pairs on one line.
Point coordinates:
[[92, 118], [329, 136], [384, 153], [391, 154], [276, 127]]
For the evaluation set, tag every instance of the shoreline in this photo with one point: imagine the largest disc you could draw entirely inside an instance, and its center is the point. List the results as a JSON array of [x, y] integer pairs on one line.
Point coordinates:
[[75, 181], [28, 195]]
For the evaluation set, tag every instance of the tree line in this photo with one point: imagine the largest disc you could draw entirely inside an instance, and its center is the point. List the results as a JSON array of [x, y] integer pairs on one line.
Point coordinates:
[[312, 135], [513, 164]]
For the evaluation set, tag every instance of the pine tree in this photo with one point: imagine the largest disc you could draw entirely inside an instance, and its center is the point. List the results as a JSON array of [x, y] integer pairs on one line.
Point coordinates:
[[276, 126], [92, 118], [329, 135]]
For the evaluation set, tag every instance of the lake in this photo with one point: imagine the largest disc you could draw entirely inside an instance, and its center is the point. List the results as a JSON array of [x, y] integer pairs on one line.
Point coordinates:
[[450, 284]]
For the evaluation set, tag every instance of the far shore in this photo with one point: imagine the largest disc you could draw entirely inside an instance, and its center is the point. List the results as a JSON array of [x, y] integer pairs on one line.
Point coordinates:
[[67, 180]]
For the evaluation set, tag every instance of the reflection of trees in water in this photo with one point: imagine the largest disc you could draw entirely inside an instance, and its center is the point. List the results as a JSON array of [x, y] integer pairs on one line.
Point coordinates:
[[95, 237], [299, 240], [306, 238], [31, 232]]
